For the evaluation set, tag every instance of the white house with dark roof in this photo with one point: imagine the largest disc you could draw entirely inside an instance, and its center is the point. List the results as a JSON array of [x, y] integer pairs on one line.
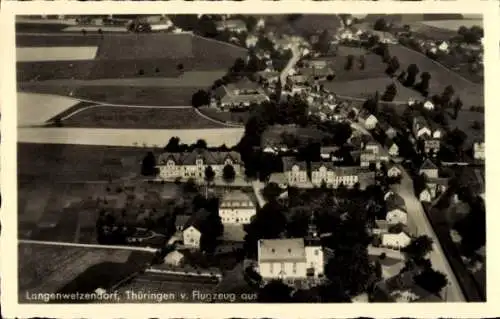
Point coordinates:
[[396, 210], [421, 128], [236, 207], [295, 171], [429, 169], [432, 145], [479, 151], [425, 196], [334, 176], [394, 171], [240, 94], [428, 105], [193, 164], [396, 241], [393, 149], [194, 228], [368, 120]]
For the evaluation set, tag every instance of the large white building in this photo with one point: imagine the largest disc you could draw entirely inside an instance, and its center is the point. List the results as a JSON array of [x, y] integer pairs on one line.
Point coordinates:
[[236, 207], [293, 258], [193, 164]]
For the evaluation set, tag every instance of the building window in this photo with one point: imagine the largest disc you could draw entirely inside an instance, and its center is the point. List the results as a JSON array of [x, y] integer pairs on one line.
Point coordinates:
[[294, 268], [316, 252], [271, 268], [282, 266]]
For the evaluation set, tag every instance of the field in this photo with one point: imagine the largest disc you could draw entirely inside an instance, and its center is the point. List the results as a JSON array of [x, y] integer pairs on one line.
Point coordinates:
[[367, 88], [453, 25], [128, 137], [70, 163], [138, 118], [303, 25], [470, 93], [374, 67], [125, 55], [50, 268], [68, 212], [228, 117], [55, 54], [464, 122], [38, 108]]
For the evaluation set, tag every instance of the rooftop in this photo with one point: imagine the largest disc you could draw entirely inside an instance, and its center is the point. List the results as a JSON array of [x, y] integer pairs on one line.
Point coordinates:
[[281, 249]]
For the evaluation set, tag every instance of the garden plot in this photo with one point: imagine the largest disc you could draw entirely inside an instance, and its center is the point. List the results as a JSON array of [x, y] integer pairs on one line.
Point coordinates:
[[35, 108]]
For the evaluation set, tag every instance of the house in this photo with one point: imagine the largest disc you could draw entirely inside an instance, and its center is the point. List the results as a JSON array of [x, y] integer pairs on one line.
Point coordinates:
[[479, 151], [367, 119], [193, 164], [261, 23], [429, 169], [295, 171], [428, 105], [334, 176], [421, 128], [432, 146], [372, 146], [174, 258], [239, 95], [236, 207], [380, 227], [366, 158], [425, 196], [268, 77], [235, 25], [251, 41], [384, 37], [294, 258], [283, 44], [316, 63], [444, 47], [436, 186], [390, 132], [396, 241], [394, 171], [194, 228], [394, 149], [402, 288], [279, 178], [396, 210]]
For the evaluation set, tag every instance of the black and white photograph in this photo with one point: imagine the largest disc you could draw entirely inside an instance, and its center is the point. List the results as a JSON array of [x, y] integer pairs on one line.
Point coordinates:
[[250, 158]]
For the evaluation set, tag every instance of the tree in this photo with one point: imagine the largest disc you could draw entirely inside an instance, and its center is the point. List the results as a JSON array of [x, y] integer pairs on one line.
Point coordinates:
[[201, 144], [402, 76], [380, 25], [423, 85], [148, 167], [457, 106], [390, 93], [342, 131], [228, 173], [419, 247], [349, 62], [173, 145], [447, 95], [84, 32], [362, 62], [275, 292], [271, 192], [238, 66], [431, 280], [393, 66], [372, 104], [180, 67], [200, 98], [412, 72], [323, 44]]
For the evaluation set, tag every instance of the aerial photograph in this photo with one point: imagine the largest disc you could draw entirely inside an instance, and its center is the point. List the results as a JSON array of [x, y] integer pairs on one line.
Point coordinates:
[[281, 158]]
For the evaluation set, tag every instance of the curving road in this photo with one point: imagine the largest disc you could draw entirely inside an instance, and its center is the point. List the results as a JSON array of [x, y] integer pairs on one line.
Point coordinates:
[[291, 63]]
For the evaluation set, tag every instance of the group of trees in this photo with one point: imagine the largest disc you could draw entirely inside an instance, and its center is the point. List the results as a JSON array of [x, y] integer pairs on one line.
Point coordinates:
[[471, 35], [351, 61]]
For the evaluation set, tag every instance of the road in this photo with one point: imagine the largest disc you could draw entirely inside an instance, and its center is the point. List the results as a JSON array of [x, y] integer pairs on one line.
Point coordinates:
[[418, 217], [57, 243], [291, 63], [419, 224]]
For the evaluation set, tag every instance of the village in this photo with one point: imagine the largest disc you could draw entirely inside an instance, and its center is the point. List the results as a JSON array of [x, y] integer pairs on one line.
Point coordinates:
[[328, 196]]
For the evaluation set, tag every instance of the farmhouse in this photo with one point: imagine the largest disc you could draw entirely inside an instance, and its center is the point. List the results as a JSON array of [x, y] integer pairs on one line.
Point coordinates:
[[421, 127], [237, 26], [174, 258], [394, 171], [429, 169], [194, 228], [289, 259], [236, 207], [239, 95], [396, 210], [425, 196], [368, 120], [393, 149], [444, 47], [436, 186], [193, 164], [432, 146], [428, 105], [396, 241]]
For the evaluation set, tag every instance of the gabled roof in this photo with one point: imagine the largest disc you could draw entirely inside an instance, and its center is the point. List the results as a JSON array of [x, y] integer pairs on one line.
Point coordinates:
[[233, 23], [428, 164], [329, 149], [317, 165], [277, 250], [209, 158], [289, 162], [395, 201], [236, 196], [198, 220], [181, 220]]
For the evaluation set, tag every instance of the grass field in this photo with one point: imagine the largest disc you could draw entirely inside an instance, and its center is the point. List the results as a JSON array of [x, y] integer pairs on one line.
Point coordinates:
[[38, 108], [134, 117], [374, 68], [367, 88], [125, 55], [470, 93], [464, 122], [228, 117], [69, 163], [68, 212], [453, 25], [50, 268]]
